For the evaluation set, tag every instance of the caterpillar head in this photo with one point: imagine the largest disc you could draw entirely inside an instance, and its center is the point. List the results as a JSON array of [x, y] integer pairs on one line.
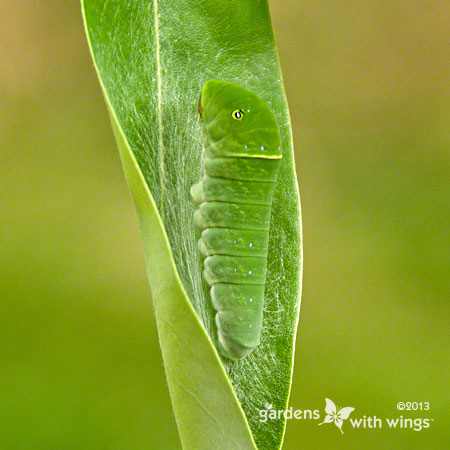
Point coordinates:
[[237, 122]]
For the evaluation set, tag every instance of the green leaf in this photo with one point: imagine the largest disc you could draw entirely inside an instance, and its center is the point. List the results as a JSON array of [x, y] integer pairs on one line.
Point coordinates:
[[152, 59]]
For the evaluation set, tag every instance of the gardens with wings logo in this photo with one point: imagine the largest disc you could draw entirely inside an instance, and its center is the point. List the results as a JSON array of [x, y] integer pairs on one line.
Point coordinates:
[[339, 415]]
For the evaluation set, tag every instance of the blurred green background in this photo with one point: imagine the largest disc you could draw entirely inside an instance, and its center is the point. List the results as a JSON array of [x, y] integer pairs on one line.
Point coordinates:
[[369, 93]]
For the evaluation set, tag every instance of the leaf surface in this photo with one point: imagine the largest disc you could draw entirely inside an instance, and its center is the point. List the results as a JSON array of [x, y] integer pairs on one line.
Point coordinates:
[[152, 59]]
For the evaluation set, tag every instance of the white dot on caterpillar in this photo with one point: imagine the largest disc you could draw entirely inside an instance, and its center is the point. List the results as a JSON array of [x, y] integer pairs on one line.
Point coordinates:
[[250, 326], [246, 147], [234, 242], [262, 147], [250, 245], [279, 148], [250, 272], [251, 300], [235, 270]]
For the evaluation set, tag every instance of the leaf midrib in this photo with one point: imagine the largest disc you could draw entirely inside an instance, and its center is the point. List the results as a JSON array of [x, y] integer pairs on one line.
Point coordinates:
[[161, 153]]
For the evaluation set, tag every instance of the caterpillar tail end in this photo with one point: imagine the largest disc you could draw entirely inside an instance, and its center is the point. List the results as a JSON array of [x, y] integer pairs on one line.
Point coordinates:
[[233, 350], [229, 347]]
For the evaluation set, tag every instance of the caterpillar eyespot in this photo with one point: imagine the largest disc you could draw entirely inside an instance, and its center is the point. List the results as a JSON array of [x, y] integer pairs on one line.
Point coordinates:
[[241, 165], [238, 114]]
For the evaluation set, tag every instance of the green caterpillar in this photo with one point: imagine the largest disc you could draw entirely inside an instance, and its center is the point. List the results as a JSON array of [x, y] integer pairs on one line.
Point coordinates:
[[242, 158]]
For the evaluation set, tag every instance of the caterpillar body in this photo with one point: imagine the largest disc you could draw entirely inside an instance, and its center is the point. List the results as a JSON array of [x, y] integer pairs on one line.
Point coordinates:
[[242, 158]]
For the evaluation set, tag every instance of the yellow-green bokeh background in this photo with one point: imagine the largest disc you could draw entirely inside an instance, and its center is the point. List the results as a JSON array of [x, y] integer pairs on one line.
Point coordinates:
[[368, 87]]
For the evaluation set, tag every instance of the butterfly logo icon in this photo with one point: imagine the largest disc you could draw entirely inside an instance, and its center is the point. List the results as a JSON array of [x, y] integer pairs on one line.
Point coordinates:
[[336, 415]]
